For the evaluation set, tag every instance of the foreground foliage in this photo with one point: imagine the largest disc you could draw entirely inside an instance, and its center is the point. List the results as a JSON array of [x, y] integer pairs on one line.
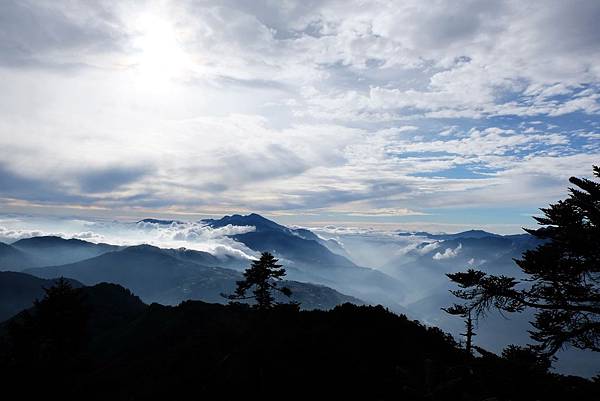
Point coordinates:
[[262, 276], [563, 275], [130, 351]]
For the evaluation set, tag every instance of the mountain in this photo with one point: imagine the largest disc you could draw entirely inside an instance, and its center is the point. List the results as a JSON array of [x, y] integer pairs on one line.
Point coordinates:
[[308, 259], [19, 290], [144, 269], [492, 253], [171, 276], [12, 258], [107, 305], [110, 305], [423, 270], [52, 250], [255, 220], [465, 234], [443, 236], [232, 352], [208, 259], [161, 222], [298, 245]]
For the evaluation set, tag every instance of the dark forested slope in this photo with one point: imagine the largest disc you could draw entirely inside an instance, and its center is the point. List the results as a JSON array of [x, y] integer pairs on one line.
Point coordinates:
[[207, 351]]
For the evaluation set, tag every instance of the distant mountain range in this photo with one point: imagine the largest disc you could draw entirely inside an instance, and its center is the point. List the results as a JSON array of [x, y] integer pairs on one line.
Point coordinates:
[[422, 270], [445, 253], [320, 271], [307, 257], [170, 276], [48, 250], [167, 276], [459, 235], [161, 222]]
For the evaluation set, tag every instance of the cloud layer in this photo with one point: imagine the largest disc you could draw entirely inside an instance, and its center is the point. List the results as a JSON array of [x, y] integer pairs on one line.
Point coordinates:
[[375, 110], [190, 235]]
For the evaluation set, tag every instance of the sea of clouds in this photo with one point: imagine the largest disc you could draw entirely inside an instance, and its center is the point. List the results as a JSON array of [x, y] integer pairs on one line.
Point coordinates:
[[191, 235]]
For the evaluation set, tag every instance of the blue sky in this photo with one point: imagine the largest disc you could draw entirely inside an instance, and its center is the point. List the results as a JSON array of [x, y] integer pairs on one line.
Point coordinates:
[[411, 114]]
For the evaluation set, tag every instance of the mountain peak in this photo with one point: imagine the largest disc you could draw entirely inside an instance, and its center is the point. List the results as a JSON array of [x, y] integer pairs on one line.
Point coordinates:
[[473, 233], [253, 219], [477, 232], [160, 221], [142, 248], [47, 240]]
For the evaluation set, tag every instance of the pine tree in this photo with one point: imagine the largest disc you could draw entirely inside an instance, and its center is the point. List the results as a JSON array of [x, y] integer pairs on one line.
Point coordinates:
[[53, 331], [527, 358], [262, 275], [563, 282], [462, 311]]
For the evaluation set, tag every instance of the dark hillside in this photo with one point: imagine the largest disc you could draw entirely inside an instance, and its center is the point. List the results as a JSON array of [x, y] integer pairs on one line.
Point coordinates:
[[19, 290], [210, 351]]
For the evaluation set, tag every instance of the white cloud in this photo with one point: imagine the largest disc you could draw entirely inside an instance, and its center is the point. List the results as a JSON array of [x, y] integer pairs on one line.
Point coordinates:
[[191, 235], [11, 235], [89, 236], [448, 253], [428, 248], [330, 107]]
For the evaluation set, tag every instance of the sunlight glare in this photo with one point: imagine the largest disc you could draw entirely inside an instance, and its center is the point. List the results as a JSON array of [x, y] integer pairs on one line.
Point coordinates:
[[161, 57]]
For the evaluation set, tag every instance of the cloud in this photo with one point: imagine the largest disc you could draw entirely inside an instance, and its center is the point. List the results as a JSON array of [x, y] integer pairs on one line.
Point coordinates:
[[428, 247], [89, 236], [448, 253], [11, 235], [490, 141], [48, 35], [367, 110], [191, 235], [110, 179]]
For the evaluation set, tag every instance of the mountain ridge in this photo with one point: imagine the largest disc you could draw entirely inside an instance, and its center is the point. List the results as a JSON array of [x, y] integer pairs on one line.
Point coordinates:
[[164, 276]]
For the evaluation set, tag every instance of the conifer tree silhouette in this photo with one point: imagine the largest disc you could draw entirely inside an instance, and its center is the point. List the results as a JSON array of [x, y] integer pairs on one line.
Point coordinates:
[[263, 275], [527, 358], [563, 282], [464, 312], [53, 330]]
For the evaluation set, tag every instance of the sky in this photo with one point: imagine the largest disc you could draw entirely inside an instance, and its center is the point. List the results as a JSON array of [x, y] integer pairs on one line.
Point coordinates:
[[437, 114]]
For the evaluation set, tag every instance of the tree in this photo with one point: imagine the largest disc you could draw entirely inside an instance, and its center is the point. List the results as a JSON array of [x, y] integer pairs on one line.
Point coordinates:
[[563, 275], [263, 275], [464, 312], [53, 330], [527, 358]]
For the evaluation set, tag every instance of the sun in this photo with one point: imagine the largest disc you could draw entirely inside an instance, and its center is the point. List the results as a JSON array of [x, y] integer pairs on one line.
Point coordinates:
[[159, 56]]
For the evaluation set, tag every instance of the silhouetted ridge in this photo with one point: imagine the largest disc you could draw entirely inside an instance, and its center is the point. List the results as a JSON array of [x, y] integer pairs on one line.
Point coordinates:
[[161, 222], [111, 305], [49, 240], [259, 222], [19, 290], [53, 250], [133, 351], [445, 236]]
